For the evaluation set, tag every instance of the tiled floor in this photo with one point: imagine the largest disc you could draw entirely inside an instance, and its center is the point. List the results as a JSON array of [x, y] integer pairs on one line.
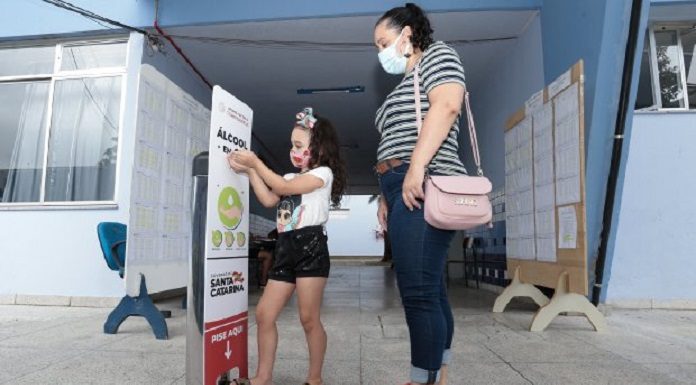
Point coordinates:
[[368, 343]]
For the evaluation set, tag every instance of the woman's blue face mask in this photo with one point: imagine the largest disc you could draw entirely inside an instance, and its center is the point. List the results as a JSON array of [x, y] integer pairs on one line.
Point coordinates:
[[392, 61]]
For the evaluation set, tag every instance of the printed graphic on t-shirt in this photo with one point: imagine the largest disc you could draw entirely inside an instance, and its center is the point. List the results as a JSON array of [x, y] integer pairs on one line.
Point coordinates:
[[308, 209], [290, 209]]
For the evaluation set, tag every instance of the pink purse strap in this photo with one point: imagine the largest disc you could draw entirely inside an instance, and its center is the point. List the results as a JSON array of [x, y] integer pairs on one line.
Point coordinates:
[[469, 116]]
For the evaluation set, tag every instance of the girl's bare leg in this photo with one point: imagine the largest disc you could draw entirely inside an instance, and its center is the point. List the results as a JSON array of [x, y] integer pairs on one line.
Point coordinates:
[[310, 292], [272, 302]]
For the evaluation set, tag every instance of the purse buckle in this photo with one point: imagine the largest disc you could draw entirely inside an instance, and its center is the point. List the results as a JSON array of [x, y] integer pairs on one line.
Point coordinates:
[[466, 201]]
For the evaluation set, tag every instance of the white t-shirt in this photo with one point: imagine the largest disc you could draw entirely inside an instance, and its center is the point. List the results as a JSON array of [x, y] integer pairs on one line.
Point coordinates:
[[311, 209]]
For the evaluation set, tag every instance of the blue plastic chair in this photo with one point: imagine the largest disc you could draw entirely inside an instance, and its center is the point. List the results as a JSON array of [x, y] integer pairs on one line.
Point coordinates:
[[112, 239]]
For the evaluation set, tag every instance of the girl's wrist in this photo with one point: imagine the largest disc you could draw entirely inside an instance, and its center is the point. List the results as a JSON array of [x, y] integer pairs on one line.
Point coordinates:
[[255, 163]]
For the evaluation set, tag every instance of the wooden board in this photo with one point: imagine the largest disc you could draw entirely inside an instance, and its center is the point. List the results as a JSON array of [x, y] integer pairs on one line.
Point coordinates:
[[574, 261]]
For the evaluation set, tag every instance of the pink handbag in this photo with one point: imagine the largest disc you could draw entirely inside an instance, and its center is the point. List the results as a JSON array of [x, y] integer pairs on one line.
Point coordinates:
[[457, 202]]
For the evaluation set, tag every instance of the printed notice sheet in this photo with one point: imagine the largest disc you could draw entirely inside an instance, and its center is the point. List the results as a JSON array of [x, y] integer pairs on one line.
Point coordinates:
[[567, 228], [544, 184], [519, 190], [567, 146]]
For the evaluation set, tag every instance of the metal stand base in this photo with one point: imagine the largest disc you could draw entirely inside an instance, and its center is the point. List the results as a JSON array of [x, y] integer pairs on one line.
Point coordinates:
[[142, 306]]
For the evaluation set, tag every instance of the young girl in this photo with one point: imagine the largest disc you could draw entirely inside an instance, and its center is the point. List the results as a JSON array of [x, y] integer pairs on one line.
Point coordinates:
[[301, 255]]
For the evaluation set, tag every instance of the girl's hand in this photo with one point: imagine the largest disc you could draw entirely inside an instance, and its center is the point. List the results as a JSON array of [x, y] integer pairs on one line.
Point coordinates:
[[382, 211], [236, 166], [412, 189], [245, 158]]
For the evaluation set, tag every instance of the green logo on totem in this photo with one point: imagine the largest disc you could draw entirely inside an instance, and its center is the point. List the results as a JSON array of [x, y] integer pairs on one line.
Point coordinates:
[[217, 238], [241, 239], [230, 208], [229, 238]]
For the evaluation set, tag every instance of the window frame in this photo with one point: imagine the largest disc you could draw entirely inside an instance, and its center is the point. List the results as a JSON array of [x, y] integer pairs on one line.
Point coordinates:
[[52, 78], [654, 74]]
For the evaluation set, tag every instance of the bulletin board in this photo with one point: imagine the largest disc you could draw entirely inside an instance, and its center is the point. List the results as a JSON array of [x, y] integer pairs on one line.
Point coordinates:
[[545, 185], [172, 128]]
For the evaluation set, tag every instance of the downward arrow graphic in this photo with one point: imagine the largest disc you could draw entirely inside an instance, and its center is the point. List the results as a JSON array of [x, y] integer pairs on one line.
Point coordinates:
[[228, 352]]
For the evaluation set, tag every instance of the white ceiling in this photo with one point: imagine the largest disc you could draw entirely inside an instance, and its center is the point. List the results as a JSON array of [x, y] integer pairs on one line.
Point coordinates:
[[267, 78]]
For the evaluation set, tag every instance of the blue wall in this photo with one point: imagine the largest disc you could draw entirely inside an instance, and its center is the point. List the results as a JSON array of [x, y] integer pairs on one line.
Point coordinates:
[[632, 266], [637, 59], [497, 94], [596, 31], [655, 247], [34, 17]]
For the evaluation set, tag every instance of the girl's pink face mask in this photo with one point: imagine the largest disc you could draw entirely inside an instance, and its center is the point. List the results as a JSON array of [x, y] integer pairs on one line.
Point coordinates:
[[300, 159]]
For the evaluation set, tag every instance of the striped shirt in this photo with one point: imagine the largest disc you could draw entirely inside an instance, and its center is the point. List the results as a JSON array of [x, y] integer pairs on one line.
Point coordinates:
[[396, 118]]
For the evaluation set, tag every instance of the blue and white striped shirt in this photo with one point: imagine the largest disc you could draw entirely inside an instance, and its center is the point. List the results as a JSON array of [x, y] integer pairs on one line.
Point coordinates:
[[396, 118]]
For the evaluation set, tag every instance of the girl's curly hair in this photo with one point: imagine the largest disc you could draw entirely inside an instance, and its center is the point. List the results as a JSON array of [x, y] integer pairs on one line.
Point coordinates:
[[325, 150]]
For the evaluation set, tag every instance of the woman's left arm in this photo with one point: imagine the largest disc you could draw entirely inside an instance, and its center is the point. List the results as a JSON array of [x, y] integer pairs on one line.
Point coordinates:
[[445, 105]]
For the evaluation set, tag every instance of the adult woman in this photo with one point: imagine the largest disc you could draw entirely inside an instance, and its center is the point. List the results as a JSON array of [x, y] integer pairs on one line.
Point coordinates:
[[403, 37]]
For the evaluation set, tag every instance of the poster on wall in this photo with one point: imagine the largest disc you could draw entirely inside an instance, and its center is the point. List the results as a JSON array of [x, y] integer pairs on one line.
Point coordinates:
[[227, 237]]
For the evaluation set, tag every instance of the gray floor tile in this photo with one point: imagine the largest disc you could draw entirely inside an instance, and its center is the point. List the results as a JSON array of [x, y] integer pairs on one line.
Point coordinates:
[[100, 367]]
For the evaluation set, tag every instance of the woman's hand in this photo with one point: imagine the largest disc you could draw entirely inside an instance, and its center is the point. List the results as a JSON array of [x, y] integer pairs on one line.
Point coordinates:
[[382, 211], [412, 189], [244, 158]]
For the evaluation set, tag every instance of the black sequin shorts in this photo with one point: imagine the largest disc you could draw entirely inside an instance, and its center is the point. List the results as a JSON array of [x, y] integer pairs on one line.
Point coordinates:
[[301, 253]]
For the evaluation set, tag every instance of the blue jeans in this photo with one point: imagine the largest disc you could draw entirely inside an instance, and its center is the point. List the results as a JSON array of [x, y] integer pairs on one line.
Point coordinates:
[[419, 253]]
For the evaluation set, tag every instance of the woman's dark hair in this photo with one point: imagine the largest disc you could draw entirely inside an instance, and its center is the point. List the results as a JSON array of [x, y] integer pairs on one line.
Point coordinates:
[[325, 151], [413, 16]]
